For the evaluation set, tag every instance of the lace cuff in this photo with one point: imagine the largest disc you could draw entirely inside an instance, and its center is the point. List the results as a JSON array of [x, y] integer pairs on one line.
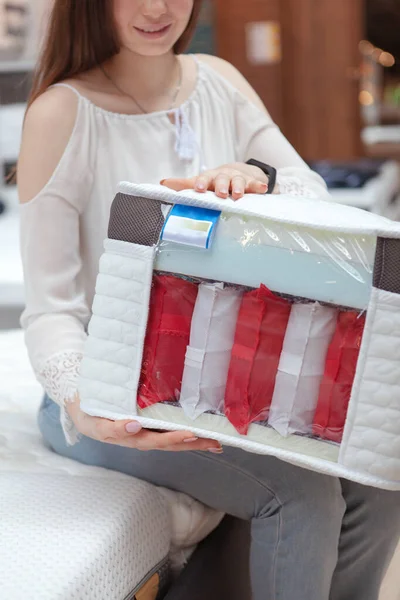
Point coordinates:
[[59, 377], [293, 186]]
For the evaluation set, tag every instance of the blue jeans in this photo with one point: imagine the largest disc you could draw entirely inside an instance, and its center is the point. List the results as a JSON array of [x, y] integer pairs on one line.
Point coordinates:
[[314, 537]]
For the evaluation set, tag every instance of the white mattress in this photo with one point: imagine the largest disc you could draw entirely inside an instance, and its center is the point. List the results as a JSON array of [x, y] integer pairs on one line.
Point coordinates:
[[70, 531]]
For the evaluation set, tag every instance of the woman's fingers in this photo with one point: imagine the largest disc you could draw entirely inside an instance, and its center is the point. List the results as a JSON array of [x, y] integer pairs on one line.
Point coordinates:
[[256, 187], [207, 447], [222, 185], [104, 430], [238, 187], [203, 182], [130, 434], [171, 440], [179, 184]]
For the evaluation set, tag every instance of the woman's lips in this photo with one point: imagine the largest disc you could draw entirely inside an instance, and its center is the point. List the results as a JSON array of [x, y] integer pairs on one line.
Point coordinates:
[[153, 33]]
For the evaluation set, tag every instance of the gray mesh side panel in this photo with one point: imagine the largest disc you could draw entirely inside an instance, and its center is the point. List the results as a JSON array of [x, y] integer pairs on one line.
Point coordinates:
[[387, 265], [136, 220]]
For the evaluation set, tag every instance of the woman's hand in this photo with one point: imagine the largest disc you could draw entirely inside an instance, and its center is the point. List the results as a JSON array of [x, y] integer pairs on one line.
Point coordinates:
[[235, 179], [131, 435]]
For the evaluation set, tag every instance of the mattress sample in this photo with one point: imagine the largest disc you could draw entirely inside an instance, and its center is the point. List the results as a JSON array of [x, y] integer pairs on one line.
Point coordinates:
[[306, 364]]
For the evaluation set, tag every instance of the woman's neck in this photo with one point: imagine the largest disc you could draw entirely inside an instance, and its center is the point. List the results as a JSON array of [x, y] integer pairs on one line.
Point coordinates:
[[147, 77]]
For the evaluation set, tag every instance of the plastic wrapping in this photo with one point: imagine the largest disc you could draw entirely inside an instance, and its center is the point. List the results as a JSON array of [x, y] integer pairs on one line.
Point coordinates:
[[232, 348], [302, 363], [303, 263], [255, 322], [259, 336], [292, 360], [209, 352], [337, 382], [251, 356], [172, 303]]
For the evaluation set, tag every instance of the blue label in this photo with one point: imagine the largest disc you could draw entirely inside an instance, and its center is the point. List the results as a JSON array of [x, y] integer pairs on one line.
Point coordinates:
[[191, 225]]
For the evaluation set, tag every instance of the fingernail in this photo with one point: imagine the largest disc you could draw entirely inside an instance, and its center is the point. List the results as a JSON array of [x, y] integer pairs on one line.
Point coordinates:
[[133, 427], [223, 190], [193, 439], [237, 191], [200, 186], [215, 450], [162, 181]]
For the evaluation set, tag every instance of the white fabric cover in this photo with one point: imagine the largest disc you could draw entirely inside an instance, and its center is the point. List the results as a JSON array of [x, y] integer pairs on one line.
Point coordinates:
[[71, 531], [301, 367], [114, 347], [62, 537], [208, 354], [371, 439]]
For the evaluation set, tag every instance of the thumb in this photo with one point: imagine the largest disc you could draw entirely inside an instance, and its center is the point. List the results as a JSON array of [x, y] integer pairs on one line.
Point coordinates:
[[256, 187], [178, 184]]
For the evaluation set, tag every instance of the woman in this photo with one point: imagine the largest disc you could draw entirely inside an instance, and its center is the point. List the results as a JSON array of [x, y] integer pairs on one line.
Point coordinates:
[[130, 107]]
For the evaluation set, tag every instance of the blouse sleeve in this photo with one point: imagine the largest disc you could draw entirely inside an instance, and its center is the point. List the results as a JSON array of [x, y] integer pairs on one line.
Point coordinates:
[[57, 313], [259, 137]]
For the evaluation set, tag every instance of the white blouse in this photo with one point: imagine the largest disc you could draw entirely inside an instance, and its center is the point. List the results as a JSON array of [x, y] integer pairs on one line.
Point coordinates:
[[63, 227]]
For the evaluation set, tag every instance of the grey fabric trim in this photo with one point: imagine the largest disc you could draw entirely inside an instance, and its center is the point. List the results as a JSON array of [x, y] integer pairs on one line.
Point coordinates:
[[387, 265], [136, 220]]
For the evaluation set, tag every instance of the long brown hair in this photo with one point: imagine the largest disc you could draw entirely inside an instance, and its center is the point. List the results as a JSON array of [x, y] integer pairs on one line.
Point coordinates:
[[80, 35]]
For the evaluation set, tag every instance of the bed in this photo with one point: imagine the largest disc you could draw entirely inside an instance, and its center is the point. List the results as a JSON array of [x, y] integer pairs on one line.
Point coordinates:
[[70, 531]]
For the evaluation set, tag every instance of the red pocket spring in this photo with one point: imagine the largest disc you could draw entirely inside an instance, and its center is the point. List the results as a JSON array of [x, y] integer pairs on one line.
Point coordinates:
[[260, 331], [337, 382], [171, 308]]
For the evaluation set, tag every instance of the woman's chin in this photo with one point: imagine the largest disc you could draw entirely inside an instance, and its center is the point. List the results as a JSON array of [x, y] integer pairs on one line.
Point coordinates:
[[147, 46], [149, 50]]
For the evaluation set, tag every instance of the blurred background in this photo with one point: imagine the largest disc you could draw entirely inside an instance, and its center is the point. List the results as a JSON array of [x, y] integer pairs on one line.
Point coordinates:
[[327, 70]]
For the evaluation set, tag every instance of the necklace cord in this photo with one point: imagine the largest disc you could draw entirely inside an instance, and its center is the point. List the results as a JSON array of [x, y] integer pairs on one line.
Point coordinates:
[[132, 97]]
